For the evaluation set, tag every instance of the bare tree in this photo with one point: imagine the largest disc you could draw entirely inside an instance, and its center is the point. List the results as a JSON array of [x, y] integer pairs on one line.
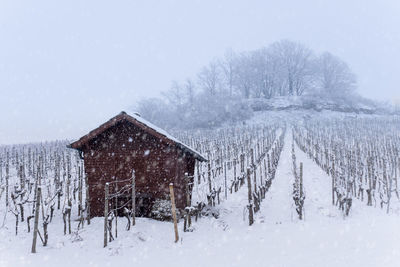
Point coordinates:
[[156, 111], [295, 60], [175, 94], [209, 78], [259, 64], [228, 67], [223, 86], [244, 78], [190, 91], [334, 75]]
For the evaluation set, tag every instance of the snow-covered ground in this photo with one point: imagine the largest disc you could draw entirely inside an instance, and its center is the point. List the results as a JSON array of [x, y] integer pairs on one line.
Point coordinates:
[[368, 237]]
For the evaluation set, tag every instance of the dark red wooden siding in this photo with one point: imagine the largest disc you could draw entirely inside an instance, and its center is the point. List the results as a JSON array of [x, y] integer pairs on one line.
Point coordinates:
[[113, 155]]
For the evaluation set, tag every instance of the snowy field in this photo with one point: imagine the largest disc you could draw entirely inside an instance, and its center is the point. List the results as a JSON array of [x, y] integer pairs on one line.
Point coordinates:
[[368, 237], [269, 129]]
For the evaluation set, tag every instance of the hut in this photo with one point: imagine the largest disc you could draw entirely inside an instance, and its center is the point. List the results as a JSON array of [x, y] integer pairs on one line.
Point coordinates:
[[128, 143]]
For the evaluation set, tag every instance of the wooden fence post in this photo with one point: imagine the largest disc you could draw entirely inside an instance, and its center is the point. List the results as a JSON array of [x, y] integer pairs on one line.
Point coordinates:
[[234, 169], [255, 178], [333, 183], [171, 190], [198, 172], [133, 197], [265, 170], [188, 219], [35, 228], [251, 218], [79, 191], [301, 191], [226, 185], [87, 199], [7, 181], [241, 163], [106, 191], [116, 209], [252, 157], [209, 174]]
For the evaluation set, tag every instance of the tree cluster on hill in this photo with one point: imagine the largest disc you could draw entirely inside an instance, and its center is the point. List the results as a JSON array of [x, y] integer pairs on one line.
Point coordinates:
[[221, 90]]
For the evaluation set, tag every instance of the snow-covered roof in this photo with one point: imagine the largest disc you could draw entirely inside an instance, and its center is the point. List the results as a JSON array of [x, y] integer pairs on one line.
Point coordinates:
[[145, 125]]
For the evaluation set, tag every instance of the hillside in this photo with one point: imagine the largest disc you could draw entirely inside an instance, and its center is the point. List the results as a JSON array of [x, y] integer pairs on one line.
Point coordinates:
[[350, 104]]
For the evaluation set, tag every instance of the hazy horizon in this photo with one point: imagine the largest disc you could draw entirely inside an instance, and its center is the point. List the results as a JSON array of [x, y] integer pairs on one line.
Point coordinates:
[[67, 67]]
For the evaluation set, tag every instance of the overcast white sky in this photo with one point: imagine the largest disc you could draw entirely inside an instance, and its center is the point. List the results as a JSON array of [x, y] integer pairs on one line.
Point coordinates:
[[67, 66]]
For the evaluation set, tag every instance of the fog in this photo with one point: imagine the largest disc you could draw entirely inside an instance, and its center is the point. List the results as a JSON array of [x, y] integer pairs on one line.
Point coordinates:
[[67, 67]]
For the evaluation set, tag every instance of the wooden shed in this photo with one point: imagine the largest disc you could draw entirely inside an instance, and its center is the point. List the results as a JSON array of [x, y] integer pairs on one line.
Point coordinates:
[[126, 143]]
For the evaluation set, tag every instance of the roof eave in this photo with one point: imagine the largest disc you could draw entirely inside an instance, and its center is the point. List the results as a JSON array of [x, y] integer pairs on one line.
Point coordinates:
[[195, 154], [144, 126]]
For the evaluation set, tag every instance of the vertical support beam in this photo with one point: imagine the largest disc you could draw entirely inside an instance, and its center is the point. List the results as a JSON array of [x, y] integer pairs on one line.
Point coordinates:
[[255, 178], [209, 174], [198, 172], [242, 163], [251, 217], [87, 198], [68, 175], [1, 170], [116, 209], [226, 184], [106, 192], [188, 202], [252, 157], [333, 183], [301, 190], [265, 170], [35, 228], [133, 197], [171, 190], [301, 178], [7, 180], [79, 191], [234, 169]]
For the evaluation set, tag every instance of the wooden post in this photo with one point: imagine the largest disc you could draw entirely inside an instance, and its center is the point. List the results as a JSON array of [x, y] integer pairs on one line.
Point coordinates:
[[21, 177], [301, 190], [209, 174], [301, 178], [333, 183], [1, 170], [252, 157], [265, 170], [255, 178], [116, 209], [251, 218], [80, 182], [36, 224], [261, 174], [106, 191], [242, 163], [69, 216], [226, 185], [133, 197], [188, 204], [171, 190], [198, 172], [68, 176], [269, 165], [7, 181], [87, 199], [234, 169]]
